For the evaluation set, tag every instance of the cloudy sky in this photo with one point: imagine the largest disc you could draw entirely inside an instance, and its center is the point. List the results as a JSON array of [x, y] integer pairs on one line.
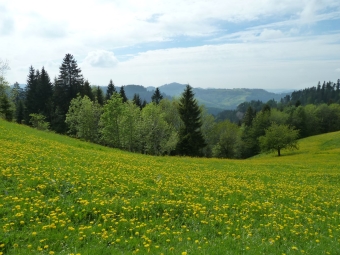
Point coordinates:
[[283, 44]]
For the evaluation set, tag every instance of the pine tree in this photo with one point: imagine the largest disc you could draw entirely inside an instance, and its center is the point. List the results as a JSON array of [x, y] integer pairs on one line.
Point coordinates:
[[110, 90], [44, 94], [31, 101], [99, 96], [87, 91], [191, 140], [249, 116], [19, 113], [144, 103], [157, 96], [137, 100], [68, 85], [122, 94], [5, 108]]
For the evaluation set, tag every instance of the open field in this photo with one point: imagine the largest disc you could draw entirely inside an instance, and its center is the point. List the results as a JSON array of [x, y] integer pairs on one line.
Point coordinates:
[[63, 196]]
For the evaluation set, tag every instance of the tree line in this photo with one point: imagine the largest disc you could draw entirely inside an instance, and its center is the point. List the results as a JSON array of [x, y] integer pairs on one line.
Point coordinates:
[[70, 105]]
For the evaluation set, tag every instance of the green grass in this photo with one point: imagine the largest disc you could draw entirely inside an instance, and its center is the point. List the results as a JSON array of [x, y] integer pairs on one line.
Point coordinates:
[[61, 196]]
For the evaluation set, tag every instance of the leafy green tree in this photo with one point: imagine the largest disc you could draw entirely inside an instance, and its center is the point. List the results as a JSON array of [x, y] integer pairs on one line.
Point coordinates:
[[278, 137], [171, 113], [39, 122], [110, 121], [279, 117], [110, 90], [130, 124], [157, 96], [17, 93], [6, 109], [228, 140], [191, 141], [83, 118], [297, 119], [250, 135], [155, 131]]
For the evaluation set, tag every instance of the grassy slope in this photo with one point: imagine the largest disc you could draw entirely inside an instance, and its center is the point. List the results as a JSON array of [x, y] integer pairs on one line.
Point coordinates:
[[65, 196]]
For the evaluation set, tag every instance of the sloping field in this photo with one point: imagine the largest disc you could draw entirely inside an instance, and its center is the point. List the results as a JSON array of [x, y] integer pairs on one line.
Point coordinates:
[[63, 196]]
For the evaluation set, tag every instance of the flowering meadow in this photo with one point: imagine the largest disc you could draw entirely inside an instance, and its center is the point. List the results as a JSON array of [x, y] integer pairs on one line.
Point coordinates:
[[63, 196]]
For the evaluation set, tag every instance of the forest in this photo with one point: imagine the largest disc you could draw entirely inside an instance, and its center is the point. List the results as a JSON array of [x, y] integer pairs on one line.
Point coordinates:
[[180, 126]]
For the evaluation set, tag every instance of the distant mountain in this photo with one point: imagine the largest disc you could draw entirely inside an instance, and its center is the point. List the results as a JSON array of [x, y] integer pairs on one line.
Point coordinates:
[[217, 100]]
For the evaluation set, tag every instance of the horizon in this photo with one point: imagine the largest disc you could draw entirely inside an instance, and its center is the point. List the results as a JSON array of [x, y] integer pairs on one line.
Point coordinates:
[[218, 44]]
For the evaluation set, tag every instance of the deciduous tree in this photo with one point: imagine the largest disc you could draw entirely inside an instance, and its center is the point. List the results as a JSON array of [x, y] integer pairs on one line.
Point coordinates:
[[278, 137]]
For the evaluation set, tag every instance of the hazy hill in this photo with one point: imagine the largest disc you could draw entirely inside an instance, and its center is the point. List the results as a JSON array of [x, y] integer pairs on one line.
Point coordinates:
[[217, 100]]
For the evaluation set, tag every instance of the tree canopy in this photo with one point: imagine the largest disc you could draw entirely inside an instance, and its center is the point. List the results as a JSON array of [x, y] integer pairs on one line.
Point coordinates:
[[278, 137]]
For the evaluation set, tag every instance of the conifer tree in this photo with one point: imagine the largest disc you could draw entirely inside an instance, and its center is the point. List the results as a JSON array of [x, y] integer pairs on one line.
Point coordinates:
[[31, 105], [249, 116], [5, 108], [87, 91], [19, 113], [137, 100], [122, 94], [44, 94], [157, 96], [68, 85], [110, 90], [191, 141], [99, 96]]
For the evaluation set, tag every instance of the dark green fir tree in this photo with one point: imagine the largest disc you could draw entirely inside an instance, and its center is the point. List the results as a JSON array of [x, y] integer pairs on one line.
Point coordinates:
[[122, 94], [157, 96], [191, 141], [110, 90]]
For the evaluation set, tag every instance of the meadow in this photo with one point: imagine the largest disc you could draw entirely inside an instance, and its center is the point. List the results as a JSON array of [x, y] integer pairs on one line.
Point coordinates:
[[63, 196]]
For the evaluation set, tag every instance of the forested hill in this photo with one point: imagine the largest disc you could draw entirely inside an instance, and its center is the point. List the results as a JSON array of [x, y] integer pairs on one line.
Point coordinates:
[[216, 100]]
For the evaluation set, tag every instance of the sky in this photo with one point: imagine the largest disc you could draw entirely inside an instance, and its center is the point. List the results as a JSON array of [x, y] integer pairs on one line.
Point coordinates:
[[269, 44]]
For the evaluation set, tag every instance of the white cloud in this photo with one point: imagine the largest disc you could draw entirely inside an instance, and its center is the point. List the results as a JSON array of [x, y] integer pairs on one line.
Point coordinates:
[[101, 58], [268, 34], [337, 70]]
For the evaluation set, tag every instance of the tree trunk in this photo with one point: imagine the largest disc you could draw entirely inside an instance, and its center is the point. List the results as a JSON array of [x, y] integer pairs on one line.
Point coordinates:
[[278, 152]]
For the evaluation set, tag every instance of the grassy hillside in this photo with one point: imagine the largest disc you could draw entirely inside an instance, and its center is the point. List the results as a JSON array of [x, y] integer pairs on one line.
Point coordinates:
[[63, 196]]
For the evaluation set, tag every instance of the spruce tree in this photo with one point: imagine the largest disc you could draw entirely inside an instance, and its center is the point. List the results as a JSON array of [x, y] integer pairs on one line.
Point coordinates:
[[31, 100], [68, 85], [137, 100], [19, 112], [99, 96], [87, 90], [249, 116], [122, 94], [5, 108], [191, 141], [44, 94], [110, 90], [157, 96]]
